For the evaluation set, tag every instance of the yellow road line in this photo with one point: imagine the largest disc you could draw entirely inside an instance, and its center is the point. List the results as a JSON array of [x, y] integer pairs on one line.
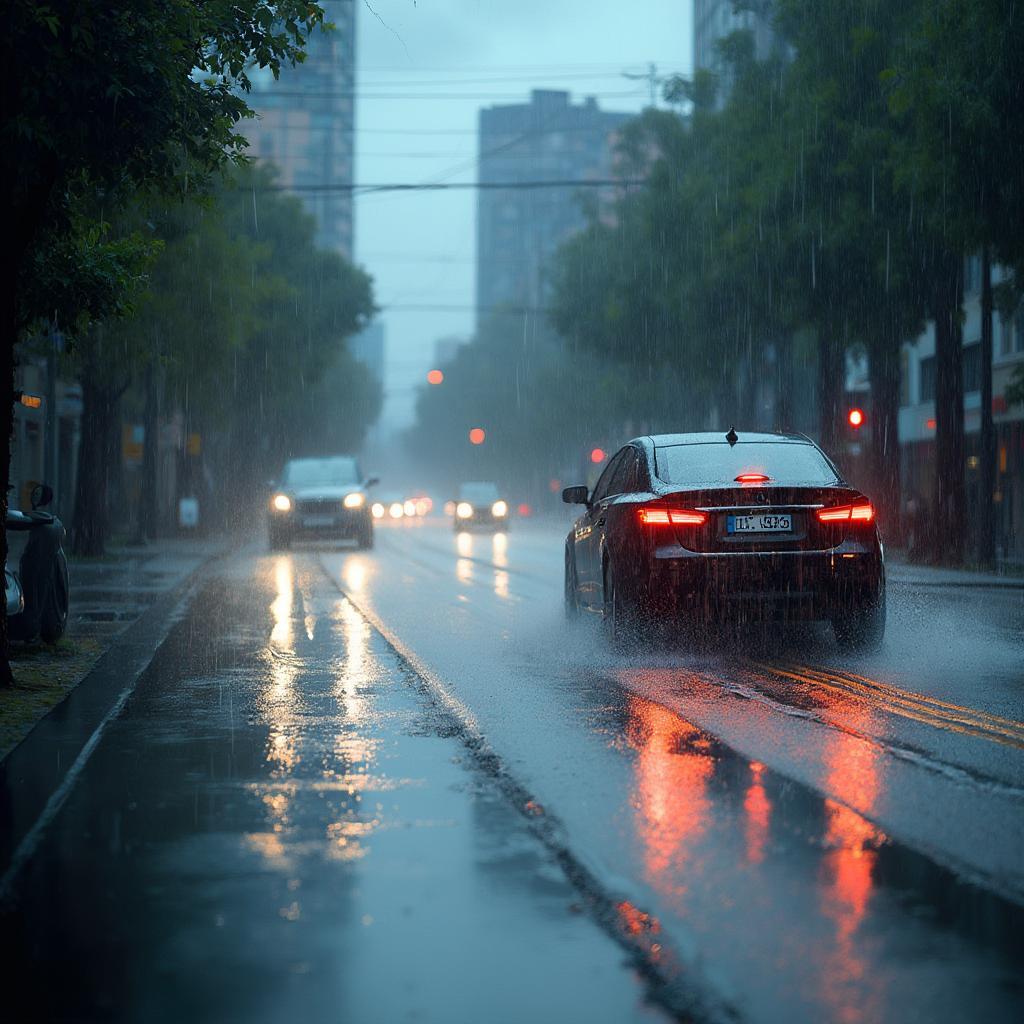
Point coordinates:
[[951, 712], [940, 714]]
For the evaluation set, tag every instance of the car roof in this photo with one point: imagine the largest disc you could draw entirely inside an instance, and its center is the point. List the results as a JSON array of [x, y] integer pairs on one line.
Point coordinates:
[[314, 459], [719, 437]]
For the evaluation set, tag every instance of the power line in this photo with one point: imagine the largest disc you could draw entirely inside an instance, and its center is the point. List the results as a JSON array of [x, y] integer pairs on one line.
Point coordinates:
[[513, 97], [440, 186], [406, 307], [500, 80]]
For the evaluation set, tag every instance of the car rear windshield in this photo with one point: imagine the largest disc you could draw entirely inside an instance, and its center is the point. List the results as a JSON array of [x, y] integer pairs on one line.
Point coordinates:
[[337, 472], [478, 492], [719, 464]]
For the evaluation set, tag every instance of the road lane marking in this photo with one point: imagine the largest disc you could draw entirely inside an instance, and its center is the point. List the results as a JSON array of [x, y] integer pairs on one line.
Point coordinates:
[[672, 985], [917, 707]]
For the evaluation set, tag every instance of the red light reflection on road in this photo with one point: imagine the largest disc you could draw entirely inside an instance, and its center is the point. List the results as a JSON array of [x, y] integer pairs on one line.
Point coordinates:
[[758, 809], [853, 842], [670, 797]]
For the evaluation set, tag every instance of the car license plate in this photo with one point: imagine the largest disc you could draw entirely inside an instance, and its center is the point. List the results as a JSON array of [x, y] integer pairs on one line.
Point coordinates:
[[313, 521], [764, 523]]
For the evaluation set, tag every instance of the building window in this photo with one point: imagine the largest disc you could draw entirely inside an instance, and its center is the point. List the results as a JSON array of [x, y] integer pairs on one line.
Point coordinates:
[[904, 377], [972, 367], [1018, 329], [928, 379]]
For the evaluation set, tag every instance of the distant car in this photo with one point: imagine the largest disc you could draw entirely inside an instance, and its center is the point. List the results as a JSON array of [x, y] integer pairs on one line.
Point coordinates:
[[480, 505], [711, 525], [388, 506], [321, 497]]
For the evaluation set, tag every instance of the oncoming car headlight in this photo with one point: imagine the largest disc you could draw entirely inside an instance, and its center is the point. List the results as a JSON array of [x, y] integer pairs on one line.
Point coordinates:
[[499, 509], [463, 510], [355, 500], [396, 511], [282, 503], [377, 509]]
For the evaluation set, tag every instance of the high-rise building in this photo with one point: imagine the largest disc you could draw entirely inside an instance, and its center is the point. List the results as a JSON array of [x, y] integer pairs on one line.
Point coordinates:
[[305, 126], [519, 228], [713, 21]]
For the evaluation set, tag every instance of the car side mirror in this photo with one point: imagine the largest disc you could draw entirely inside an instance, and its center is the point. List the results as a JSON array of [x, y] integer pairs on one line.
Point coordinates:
[[372, 481], [42, 495], [579, 495]]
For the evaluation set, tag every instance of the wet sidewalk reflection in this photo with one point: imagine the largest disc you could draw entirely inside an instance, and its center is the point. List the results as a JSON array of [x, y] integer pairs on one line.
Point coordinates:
[[281, 827]]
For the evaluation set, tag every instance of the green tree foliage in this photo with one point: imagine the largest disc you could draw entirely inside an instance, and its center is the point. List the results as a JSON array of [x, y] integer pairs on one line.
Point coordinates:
[[544, 403], [104, 100], [306, 302], [241, 327], [833, 196]]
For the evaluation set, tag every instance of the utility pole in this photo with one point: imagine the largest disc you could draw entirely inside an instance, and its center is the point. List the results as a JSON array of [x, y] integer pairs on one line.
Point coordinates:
[[651, 75]]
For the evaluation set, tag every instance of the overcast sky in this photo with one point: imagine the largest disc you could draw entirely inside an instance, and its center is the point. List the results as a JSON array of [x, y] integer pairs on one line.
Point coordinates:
[[425, 68]]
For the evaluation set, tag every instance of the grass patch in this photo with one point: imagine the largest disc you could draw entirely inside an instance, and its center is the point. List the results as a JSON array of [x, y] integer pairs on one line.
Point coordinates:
[[43, 675]]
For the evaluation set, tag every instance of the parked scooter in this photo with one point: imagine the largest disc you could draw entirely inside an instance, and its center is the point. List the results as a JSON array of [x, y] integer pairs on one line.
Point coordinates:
[[39, 592]]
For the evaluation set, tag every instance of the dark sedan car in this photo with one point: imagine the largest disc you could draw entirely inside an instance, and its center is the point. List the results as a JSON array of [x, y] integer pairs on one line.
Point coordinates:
[[480, 506], [320, 498], [704, 527]]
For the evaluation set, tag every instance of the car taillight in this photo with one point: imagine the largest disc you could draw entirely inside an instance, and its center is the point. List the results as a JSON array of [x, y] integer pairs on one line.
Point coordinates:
[[672, 517], [847, 513]]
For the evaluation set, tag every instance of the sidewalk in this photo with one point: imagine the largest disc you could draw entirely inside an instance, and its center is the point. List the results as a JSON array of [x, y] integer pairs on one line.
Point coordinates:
[[108, 594], [900, 571]]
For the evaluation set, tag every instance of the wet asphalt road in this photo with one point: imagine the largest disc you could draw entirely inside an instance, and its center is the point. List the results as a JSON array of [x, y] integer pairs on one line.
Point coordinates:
[[392, 786]]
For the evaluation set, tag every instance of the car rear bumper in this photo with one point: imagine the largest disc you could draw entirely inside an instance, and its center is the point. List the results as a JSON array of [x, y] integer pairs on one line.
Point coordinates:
[[784, 585], [482, 521]]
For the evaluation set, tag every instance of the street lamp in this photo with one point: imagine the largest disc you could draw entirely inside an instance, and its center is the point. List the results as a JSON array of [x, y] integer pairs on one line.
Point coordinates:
[[435, 377], [477, 435]]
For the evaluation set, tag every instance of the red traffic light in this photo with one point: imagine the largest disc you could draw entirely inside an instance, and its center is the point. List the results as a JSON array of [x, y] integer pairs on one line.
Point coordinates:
[[597, 456], [435, 377], [855, 417], [477, 435]]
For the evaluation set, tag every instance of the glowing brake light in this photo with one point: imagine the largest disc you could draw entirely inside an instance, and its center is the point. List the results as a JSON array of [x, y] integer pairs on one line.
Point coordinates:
[[846, 514], [752, 478], [672, 516]]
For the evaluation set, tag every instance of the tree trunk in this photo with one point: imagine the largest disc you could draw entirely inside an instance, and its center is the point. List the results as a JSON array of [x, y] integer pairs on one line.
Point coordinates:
[[884, 370], [96, 455], [9, 327], [784, 382], [831, 354], [26, 197], [987, 440], [148, 499], [950, 498]]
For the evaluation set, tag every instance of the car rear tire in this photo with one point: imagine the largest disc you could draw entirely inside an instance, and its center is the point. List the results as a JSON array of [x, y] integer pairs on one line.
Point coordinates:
[[572, 605], [364, 540], [863, 630], [54, 618], [620, 615]]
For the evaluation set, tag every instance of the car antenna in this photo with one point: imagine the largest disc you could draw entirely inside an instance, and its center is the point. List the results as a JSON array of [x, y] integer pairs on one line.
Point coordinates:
[[732, 437]]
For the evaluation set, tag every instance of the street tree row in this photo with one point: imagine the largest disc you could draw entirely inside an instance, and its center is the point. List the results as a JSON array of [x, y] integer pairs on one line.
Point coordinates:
[[101, 103], [234, 329], [833, 193]]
